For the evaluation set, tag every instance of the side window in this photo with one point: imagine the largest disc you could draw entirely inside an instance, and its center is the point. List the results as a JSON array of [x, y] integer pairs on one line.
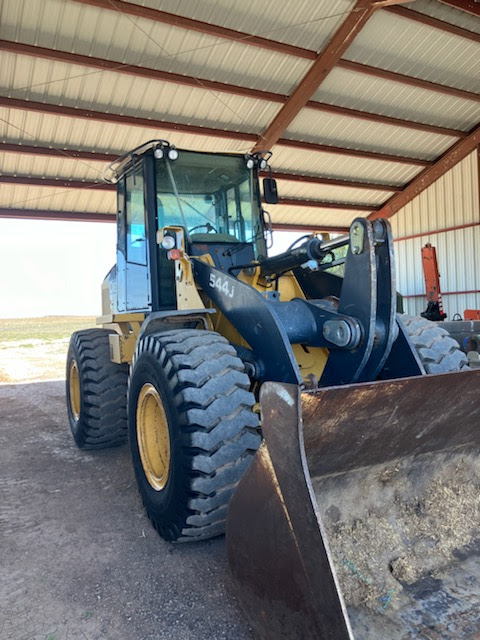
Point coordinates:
[[135, 208], [121, 216]]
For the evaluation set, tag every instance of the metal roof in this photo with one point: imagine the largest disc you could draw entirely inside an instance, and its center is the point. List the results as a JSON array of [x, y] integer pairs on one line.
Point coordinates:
[[393, 102]]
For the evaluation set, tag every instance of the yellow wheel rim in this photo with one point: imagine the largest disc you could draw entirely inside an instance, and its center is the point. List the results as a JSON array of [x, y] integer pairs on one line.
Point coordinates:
[[153, 437], [74, 384]]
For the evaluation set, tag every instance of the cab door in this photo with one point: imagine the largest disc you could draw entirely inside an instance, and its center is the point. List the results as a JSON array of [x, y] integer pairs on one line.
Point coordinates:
[[137, 279]]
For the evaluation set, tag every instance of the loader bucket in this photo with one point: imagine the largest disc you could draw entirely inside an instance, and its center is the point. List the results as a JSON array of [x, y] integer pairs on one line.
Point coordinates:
[[359, 516]]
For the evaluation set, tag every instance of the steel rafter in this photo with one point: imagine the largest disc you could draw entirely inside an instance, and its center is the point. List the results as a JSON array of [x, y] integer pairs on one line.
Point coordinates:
[[428, 176], [393, 76], [210, 85], [20, 149], [102, 186], [430, 21], [88, 216], [117, 118], [469, 6], [324, 63]]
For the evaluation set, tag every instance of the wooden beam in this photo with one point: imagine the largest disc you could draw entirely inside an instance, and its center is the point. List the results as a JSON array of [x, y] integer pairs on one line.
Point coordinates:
[[159, 125], [45, 214], [209, 28], [410, 80], [428, 176], [209, 85], [423, 18], [469, 6], [322, 66]]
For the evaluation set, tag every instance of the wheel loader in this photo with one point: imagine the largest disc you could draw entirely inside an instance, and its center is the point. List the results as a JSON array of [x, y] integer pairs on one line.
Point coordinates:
[[285, 400]]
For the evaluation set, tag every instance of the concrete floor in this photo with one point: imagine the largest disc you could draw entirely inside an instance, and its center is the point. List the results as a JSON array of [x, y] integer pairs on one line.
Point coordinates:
[[79, 559]]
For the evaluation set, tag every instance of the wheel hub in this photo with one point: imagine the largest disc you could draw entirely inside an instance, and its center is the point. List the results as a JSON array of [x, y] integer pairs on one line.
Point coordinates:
[[153, 437], [74, 387]]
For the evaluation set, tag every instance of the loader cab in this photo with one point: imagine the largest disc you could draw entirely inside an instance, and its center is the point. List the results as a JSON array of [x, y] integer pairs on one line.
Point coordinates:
[[213, 197]]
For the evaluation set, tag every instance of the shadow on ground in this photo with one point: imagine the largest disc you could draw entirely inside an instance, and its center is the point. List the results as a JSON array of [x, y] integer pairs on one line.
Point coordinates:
[[80, 560]]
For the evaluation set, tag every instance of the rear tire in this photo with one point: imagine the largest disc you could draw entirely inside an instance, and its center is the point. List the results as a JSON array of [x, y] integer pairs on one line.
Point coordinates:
[[189, 400], [96, 391], [438, 352]]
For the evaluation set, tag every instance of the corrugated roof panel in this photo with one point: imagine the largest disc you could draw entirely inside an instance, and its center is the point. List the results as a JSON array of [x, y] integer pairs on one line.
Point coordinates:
[[341, 166], [59, 131], [103, 33], [307, 23], [443, 12], [315, 216], [326, 128], [308, 191], [395, 43], [451, 201], [133, 96], [41, 166], [57, 199], [360, 91]]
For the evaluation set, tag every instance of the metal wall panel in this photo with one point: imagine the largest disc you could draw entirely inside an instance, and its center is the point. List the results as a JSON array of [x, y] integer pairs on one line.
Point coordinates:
[[451, 202]]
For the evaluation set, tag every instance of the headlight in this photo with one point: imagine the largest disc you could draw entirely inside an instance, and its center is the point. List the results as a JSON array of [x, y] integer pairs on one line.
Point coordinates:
[[168, 242]]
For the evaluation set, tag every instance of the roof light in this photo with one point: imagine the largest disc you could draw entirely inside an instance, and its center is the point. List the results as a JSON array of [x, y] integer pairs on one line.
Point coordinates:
[[158, 153], [263, 164], [250, 163], [172, 154]]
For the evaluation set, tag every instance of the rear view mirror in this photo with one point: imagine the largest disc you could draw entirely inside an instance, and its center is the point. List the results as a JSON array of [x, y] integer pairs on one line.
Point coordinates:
[[270, 193]]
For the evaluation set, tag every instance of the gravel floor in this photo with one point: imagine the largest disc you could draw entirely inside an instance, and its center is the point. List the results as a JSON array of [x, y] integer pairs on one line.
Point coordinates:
[[79, 558]]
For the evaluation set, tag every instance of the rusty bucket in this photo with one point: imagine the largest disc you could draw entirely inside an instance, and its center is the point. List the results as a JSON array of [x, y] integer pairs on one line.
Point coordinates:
[[359, 516]]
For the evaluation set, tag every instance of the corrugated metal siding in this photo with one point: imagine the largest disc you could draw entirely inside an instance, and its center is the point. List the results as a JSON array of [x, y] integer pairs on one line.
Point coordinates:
[[452, 201]]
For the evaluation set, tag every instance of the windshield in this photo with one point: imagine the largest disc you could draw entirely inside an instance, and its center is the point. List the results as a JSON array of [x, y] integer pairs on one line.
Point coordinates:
[[215, 197]]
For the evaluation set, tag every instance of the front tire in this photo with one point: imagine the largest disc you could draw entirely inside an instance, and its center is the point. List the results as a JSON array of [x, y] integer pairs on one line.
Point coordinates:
[[438, 352], [96, 391], [192, 430]]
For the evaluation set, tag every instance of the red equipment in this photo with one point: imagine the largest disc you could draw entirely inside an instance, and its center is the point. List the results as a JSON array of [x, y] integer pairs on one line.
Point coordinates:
[[434, 310]]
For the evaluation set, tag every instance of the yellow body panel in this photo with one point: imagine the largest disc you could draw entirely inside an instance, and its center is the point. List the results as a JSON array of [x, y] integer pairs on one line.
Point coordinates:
[[122, 347]]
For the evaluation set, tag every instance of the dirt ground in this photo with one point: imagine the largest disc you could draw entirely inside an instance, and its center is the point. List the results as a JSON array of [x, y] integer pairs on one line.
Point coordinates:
[[79, 558]]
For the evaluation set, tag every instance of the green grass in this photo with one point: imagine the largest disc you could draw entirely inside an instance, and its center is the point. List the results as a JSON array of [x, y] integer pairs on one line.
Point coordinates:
[[46, 328]]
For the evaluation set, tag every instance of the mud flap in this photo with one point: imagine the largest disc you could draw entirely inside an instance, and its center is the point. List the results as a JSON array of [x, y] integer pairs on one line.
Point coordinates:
[[359, 515]]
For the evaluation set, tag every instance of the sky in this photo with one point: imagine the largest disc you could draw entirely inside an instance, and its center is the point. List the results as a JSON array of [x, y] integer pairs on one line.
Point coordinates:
[[56, 268]]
